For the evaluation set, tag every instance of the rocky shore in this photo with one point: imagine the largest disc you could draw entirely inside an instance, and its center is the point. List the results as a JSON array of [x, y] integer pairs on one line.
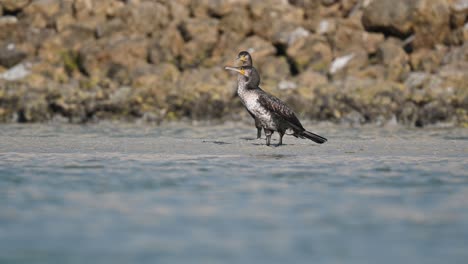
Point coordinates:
[[345, 61]]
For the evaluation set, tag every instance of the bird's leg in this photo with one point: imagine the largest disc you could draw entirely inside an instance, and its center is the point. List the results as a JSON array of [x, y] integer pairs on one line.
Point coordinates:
[[268, 134], [281, 134], [259, 132], [259, 128]]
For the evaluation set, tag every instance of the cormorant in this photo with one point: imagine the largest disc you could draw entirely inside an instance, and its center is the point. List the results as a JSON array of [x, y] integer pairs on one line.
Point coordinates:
[[271, 112], [246, 60]]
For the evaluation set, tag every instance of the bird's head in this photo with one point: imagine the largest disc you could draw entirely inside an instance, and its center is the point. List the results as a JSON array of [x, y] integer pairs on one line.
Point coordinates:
[[245, 58]]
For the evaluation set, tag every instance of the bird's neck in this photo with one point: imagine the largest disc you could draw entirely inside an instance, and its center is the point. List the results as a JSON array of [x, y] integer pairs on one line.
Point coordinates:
[[244, 83]]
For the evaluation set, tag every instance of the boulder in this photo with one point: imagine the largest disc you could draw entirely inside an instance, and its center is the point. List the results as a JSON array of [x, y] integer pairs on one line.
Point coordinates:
[[459, 11], [312, 12], [349, 6], [350, 36], [267, 22], [391, 54], [427, 60], [64, 20], [258, 47], [179, 11], [167, 46], [41, 13], [312, 51], [115, 58], [226, 49], [431, 22], [200, 36], [162, 75], [329, 2], [274, 69], [311, 79], [10, 55], [390, 17], [214, 8], [428, 20], [61, 48], [14, 5], [236, 21], [351, 61], [137, 17]]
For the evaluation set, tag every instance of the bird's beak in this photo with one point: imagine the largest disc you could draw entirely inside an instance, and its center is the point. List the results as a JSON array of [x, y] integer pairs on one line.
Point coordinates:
[[241, 71], [242, 58]]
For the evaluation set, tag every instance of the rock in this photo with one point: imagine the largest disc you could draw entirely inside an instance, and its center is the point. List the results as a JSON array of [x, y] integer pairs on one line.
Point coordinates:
[[393, 57], [166, 48], [34, 109], [416, 80], [311, 79], [427, 60], [349, 6], [164, 74], [226, 49], [266, 22], [200, 36], [328, 2], [287, 85], [41, 13], [258, 47], [312, 12], [391, 17], [110, 27], [56, 49], [465, 33], [312, 51], [136, 17], [326, 26], [431, 22], [236, 21], [217, 8], [289, 35], [371, 41], [179, 11], [10, 56], [14, 5], [17, 72], [340, 63], [273, 69], [349, 62], [63, 21], [427, 19], [459, 11], [115, 58], [350, 36], [454, 75]]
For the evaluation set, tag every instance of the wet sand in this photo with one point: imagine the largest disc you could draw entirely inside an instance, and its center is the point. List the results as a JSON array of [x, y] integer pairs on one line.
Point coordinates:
[[179, 193]]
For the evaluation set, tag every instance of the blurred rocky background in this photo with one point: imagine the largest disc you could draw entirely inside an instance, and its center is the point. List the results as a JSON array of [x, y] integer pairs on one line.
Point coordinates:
[[345, 61]]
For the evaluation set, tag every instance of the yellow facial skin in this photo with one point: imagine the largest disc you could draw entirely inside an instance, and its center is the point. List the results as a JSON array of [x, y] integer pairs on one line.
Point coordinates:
[[243, 58], [242, 71]]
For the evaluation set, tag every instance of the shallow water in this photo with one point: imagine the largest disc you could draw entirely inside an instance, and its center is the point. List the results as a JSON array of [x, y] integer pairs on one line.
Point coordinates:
[[180, 194]]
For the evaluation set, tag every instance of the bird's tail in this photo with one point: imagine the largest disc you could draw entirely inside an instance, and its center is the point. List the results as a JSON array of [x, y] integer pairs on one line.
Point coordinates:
[[314, 137]]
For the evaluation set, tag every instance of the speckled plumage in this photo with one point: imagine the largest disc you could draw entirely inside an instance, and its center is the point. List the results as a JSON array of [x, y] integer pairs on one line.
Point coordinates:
[[272, 113], [246, 60]]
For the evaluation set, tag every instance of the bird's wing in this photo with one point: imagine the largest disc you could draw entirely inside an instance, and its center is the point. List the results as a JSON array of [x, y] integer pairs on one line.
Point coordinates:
[[278, 107]]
